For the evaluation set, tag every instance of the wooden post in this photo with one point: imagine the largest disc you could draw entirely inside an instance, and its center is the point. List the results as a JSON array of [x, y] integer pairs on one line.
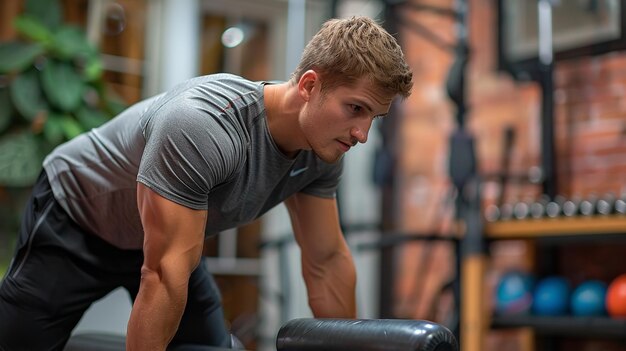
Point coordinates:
[[8, 11]]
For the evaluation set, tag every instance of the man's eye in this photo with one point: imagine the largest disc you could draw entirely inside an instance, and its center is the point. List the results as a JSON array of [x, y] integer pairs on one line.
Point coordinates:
[[355, 108]]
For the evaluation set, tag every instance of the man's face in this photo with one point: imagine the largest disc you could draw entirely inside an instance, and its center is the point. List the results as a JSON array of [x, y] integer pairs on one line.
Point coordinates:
[[335, 121]]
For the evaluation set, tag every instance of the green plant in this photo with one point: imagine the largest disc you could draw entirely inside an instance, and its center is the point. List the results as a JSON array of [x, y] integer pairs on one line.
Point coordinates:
[[51, 89]]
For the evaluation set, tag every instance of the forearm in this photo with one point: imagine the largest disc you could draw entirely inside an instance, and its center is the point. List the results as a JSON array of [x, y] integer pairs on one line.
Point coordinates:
[[331, 286], [156, 313]]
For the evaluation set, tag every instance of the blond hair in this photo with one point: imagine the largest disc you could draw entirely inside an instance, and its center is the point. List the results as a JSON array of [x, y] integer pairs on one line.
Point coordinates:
[[345, 50]]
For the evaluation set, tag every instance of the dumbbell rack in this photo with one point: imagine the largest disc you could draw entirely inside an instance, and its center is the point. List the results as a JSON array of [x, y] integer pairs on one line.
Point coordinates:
[[556, 227], [556, 230]]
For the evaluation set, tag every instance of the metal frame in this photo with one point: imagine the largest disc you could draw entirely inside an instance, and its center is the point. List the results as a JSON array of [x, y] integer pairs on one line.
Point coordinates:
[[528, 69]]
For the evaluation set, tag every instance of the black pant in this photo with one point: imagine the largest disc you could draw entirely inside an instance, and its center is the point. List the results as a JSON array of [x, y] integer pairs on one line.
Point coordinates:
[[58, 270]]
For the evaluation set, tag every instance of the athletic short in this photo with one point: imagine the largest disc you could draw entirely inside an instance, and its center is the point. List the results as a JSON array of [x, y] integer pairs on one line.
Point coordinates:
[[58, 270]]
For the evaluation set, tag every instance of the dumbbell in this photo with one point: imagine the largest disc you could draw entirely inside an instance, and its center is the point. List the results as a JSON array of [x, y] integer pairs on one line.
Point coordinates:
[[538, 208], [606, 204], [554, 207], [571, 207], [588, 206], [521, 210], [492, 213], [620, 205]]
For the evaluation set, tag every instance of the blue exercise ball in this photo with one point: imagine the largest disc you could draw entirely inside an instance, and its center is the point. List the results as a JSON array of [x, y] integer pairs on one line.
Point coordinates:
[[551, 296], [514, 293], [588, 299]]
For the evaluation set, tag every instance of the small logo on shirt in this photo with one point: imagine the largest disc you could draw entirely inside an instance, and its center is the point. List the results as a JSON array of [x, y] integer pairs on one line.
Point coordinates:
[[295, 172]]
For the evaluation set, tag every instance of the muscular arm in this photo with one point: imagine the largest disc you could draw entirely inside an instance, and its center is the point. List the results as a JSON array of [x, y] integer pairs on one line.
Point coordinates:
[[327, 265], [172, 248]]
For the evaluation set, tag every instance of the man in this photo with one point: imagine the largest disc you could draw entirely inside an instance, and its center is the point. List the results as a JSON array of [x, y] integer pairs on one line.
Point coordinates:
[[130, 203]]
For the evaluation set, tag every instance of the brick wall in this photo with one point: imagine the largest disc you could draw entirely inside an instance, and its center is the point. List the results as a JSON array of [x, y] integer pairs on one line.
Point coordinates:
[[590, 117], [591, 125]]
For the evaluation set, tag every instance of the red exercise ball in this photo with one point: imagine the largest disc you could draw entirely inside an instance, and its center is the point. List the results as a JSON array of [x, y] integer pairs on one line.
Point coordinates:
[[616, 297]]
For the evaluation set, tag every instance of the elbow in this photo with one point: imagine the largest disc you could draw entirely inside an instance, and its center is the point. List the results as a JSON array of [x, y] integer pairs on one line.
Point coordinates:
[[168, 275], [150, 275], [169, 269]]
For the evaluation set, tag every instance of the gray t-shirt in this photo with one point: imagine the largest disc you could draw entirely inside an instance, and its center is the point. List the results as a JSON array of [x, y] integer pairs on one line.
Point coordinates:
[[205, 145]]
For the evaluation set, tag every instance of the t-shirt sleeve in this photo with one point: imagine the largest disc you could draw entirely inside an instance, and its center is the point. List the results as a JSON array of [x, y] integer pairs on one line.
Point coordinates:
[[188, 151], [326, 184]]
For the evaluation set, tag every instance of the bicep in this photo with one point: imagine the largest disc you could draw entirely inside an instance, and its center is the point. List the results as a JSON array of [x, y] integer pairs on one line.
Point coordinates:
[[173, 234]]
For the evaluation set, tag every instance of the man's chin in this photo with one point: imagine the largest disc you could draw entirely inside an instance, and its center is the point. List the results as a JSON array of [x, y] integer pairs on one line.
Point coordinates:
[[330, 159]]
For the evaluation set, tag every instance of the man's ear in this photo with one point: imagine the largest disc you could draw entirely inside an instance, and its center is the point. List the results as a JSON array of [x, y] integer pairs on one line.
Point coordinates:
[[307, 83]]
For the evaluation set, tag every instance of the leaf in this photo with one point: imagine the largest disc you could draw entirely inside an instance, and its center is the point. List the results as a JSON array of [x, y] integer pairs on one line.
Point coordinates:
[[6, 109], [70, 127], [47, 12], [62, 85], [20, 160], [111, 102], [115, 106], [93, 69], [71, 42], [114, 103], [90, 118], [27, 96], [53, 129], [17, 56], [33, 29]]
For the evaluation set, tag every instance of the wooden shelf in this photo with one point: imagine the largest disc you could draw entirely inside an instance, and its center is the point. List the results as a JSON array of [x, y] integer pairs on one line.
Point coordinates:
[[535, 228], [583, 327], [558, 231]]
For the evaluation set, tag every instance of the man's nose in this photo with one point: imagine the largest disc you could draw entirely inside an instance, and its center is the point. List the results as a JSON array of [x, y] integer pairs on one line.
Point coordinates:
[[360, 131]]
